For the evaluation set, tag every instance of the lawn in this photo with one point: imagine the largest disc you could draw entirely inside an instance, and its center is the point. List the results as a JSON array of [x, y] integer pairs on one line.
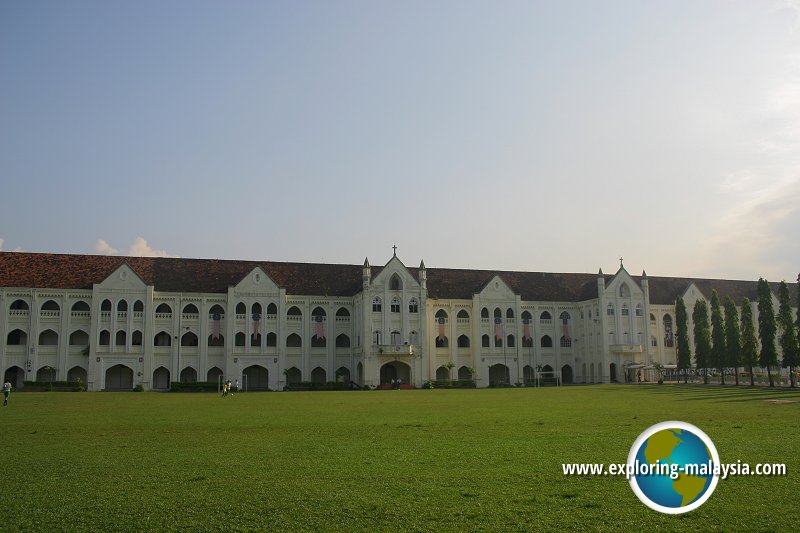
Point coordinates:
[[423, 460]]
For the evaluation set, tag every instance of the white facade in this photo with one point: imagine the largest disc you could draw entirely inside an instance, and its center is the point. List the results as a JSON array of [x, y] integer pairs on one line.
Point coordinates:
[[124, 332]]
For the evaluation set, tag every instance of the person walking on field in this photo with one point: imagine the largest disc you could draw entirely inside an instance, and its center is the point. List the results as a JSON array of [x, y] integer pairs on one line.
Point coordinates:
[[224, 389], [6, 392]]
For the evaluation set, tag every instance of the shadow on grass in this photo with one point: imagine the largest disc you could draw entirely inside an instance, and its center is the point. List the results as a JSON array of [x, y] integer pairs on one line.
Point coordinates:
[[723, 393]]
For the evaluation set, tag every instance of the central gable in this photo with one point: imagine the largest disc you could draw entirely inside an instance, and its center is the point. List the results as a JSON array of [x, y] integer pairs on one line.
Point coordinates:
[[257, 282], [497, 289], [624, 286], [123, 278], [395, 267]]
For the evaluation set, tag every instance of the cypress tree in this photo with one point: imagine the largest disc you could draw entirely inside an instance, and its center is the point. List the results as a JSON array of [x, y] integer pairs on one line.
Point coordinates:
[[718, 351], [733, 337], [767, 327], [684, 351], [749, 342], [788, 338], [702, 337]]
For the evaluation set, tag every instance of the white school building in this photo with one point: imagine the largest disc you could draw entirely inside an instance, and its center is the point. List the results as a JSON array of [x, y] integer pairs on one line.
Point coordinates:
[[117, 322]]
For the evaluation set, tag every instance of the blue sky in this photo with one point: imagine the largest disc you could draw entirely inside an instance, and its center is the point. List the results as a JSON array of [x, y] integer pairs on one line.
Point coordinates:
[[551, 136]]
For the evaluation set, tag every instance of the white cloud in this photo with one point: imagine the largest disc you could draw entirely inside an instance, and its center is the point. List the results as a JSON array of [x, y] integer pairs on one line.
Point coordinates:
[[17, 249], [139, 248], [103, 248]]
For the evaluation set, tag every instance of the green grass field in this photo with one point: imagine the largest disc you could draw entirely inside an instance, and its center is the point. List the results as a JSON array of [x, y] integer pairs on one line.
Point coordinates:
[[424, 460]]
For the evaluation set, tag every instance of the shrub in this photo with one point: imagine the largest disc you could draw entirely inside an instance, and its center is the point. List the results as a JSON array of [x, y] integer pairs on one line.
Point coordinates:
[[138, 388]]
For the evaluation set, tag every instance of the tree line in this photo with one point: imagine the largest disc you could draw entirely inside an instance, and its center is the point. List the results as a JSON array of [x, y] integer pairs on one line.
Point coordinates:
[[729, 340]]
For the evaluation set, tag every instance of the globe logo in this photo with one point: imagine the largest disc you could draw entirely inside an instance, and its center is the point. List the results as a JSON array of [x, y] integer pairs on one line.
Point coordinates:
[[673, 467]]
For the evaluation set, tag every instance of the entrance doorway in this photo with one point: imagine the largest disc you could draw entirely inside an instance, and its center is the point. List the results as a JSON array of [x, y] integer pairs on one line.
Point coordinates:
[[394, 371]]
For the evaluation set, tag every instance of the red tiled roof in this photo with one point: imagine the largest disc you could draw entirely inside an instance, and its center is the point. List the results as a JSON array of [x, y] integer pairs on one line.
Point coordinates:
[[70, 271]]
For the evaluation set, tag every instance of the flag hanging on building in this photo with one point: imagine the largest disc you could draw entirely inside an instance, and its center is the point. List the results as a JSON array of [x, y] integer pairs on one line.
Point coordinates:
[[526, 328], [215, 319], [440, 321], [319, 327], [256, 324], [498, 328]]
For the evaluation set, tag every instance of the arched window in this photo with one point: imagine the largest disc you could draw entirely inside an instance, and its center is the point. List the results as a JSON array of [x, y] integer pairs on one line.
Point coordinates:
[[136, 338], [610, 310], [219, 341], [239, 339], [546, 342], [138, 306], [216, 309], [526, 315], [510, 313], [17, 337], [106, 305], [545, 316], [189, 339], [527, 342], [105, 338], [395, 284], [121, 338], [255, 308], [566, 342], [511, 343], [272, 309], [485, 341], [162, 338], [51, 305], [484, 313], [318, 342], [498, 342], [241, 309], [318, 375], [342, 341], [624, 291], [625, 310], [639, 311], [413, 306], [79, 338], [272, 340], [652, 317], [293, 375], [255, 340], [342, 312], [79, 306], [498, 313], [294, 341], [190, 309], [164, 309], [48, 338], [318, 311], [441, 313], [565, 318], [294, 312], [377, 304], [463, 341], [122, 306], [19, 305], [463, 315], [395, 337], [395, 305], [376, 337], [442, 342]]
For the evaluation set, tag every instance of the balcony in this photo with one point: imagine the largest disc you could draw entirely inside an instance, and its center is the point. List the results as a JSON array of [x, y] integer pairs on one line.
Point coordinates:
[[626, 348], [393, 349]]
